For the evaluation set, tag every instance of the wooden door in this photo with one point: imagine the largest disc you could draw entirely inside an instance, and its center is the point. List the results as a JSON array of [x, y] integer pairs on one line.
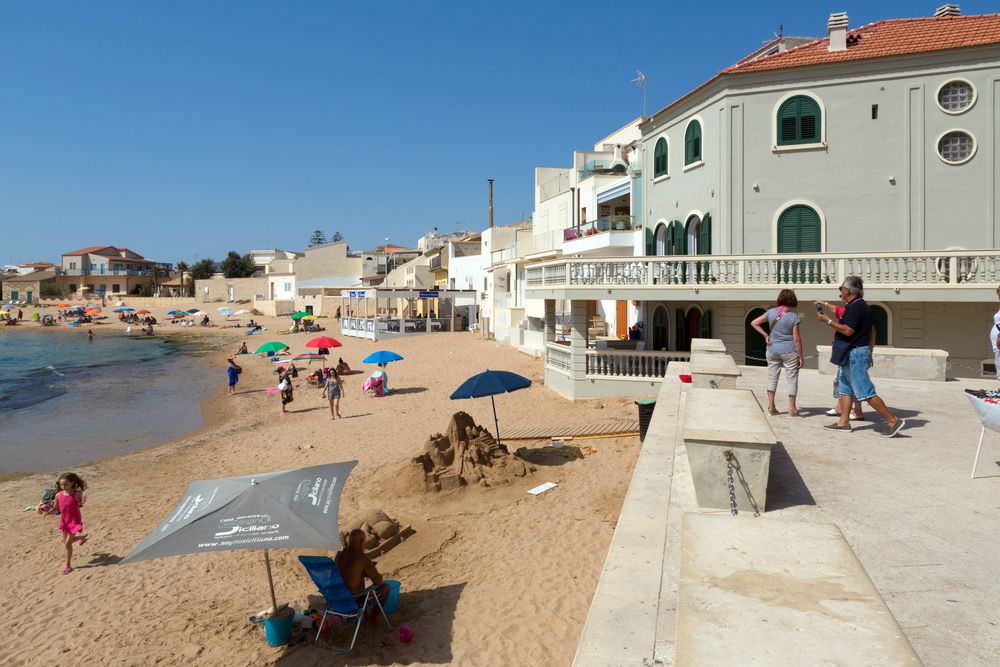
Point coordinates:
[[621, 320]]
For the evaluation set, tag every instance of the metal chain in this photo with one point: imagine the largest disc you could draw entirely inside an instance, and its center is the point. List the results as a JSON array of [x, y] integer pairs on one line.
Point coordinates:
[[729, 479]]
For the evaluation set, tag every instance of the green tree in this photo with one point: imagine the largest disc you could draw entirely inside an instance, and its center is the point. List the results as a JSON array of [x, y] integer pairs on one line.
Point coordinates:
[[318, 238], [155, 273], [203, 269], [337, 237], [182, 267], [234, 266]]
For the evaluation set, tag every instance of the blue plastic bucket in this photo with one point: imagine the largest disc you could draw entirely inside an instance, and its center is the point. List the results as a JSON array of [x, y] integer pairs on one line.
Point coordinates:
[[391, 605], [278, 630]]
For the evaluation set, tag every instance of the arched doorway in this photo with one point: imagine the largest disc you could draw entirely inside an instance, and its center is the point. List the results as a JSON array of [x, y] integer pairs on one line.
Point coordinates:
[[693, 324], [754, 344], [799, 230], [660, 337]]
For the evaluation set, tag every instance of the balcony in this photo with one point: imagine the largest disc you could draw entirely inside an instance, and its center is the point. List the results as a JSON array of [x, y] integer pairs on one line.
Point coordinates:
[[600, 166], [606, 224], [965, 275], [98, 272], [524, 245], [613, 235]]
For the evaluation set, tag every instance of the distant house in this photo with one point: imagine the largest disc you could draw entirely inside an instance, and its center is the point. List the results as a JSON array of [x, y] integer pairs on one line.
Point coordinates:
[[27, 288], [107, 270]]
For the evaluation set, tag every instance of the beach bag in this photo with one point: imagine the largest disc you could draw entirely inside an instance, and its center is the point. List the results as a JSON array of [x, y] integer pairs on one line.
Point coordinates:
[[840, 355]]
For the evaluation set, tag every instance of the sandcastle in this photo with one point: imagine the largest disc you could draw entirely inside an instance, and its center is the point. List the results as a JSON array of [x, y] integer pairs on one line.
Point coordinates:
[[465, 454], [382, 532]]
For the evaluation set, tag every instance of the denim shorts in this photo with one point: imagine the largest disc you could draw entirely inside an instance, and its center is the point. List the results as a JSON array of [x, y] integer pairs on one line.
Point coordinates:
[[853, 378]]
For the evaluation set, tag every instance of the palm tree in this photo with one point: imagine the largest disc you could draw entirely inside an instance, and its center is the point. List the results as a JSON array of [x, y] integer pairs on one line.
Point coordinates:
[[155, 272], [182, 267]]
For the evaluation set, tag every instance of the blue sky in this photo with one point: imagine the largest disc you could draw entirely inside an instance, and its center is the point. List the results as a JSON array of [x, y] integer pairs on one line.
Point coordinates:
[[186, 129]]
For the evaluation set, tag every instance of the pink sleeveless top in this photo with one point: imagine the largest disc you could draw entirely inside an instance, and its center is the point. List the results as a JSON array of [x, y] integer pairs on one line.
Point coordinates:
[[70, 519]]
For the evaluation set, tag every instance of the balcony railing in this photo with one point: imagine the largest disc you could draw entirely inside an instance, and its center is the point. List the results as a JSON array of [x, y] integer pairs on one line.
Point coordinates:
[[631, 364], [966, 268], [98, 272], [602, 167], [611, 223], [559, 357]]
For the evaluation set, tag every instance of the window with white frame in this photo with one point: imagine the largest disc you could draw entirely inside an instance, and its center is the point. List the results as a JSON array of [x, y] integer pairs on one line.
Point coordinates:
[[956, 96], [956, 146]]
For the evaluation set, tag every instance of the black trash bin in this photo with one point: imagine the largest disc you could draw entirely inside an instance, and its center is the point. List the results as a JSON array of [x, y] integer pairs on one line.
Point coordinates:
[[646, 408]]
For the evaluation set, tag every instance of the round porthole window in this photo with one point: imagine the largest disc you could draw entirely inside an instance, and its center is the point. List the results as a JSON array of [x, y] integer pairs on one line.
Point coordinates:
[[956, 146], [956, 96]]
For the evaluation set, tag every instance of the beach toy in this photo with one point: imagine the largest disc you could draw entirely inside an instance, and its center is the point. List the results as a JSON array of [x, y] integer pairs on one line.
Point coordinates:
[[391, 605], [405, 634], [278, 629], [685, 378]]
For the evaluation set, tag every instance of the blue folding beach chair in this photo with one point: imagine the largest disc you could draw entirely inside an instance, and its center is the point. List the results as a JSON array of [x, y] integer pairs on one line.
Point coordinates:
[[340, 602]]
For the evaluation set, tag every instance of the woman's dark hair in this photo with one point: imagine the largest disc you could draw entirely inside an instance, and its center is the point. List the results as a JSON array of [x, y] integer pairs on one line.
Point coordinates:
[[71, 477], [787, 298]]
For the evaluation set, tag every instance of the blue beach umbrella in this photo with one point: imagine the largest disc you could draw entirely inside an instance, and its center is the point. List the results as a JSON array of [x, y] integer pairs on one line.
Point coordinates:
[[381, 357], [123, 310], [491, 383]]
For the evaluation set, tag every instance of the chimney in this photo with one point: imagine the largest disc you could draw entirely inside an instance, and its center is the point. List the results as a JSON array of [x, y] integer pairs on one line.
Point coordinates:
[[491, 201], [951, 9], [836, 27]]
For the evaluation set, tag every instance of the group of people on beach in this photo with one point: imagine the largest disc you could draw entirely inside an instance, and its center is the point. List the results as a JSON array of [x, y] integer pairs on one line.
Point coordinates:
[[854, 336]]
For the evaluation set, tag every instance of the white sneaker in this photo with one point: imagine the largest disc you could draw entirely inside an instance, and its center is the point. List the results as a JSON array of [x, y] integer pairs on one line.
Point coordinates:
[[833, 412], [855, 418]]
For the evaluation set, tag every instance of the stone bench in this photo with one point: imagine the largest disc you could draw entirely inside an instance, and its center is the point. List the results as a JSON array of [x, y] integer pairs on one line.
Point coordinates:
[[777, 592], [710, 345], [712, 370], [899, 363], [717, 421]]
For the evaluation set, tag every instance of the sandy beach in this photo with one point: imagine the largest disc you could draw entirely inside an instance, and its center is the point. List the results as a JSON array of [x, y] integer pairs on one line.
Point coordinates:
[[491, 576]]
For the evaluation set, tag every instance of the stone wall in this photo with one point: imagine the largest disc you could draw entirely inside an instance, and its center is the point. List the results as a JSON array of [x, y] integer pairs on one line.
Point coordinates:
[[230, 289]]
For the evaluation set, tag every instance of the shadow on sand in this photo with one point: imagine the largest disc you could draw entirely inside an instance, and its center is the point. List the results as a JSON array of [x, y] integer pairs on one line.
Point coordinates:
[[785, 486], [429, 613]]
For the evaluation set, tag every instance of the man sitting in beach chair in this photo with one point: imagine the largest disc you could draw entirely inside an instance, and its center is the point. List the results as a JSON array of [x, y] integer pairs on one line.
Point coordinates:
[[355, 566]]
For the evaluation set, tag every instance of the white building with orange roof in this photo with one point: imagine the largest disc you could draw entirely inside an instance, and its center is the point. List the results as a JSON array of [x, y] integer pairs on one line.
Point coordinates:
[[872, 151]]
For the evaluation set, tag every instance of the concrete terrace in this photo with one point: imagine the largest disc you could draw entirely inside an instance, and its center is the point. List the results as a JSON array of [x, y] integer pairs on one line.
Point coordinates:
[[925, 533]]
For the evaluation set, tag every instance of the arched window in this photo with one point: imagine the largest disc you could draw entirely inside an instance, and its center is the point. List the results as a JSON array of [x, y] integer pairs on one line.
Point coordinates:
[[692, 142], [660, 158], [799, 121], [880, 320], [662, 245], [799, 230], [661, 323]]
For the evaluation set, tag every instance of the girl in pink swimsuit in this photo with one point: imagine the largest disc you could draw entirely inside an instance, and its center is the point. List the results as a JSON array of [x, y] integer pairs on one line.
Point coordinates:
[[71, 499]]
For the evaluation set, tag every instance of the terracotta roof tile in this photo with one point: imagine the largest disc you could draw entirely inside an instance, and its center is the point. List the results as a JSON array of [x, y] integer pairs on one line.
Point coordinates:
[[87, 251], [882, 39], [893, 37]]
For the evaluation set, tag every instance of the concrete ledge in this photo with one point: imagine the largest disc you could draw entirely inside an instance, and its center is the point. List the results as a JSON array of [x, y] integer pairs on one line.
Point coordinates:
[[898, 363], [710, 345], [712, 370], [777, 592], [721, 421], [621, 624]]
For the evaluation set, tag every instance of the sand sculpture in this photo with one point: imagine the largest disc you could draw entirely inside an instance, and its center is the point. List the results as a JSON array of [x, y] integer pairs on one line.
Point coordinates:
[[465, 454], [382, 532]]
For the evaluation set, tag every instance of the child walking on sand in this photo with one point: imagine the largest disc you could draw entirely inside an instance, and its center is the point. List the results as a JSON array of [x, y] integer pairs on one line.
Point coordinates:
[[70, 499]]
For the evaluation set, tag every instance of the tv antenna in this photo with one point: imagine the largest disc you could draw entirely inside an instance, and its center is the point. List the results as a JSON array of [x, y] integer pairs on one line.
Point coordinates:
[[640, 80]]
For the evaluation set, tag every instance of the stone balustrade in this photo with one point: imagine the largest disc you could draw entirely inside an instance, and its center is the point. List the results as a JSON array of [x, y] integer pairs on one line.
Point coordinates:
[[899, 363]]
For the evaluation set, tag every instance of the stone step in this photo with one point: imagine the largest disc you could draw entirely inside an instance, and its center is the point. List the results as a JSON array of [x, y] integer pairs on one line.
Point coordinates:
[[780, 593]]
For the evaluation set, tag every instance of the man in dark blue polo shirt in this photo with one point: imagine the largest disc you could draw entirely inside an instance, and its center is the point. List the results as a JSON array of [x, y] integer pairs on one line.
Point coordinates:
[[852, 352]]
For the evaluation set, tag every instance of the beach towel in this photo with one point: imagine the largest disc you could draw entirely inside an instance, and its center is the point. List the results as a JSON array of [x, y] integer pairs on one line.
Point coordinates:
[[374, 386]]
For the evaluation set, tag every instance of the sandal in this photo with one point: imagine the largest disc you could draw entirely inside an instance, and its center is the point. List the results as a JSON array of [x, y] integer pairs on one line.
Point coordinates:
[[772, 412], [67, 570]]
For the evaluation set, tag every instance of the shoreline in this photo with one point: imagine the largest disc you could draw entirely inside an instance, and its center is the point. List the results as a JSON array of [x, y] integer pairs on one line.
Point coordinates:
[[456, 567], [213, 412]]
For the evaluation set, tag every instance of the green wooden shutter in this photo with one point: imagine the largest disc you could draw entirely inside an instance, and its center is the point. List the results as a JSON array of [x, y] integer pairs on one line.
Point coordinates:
[[680, 238], [706, 325], [799, 230], [660, 158], [705, 236], [880, 320], [799, 121], [692, 142], [650, 242]]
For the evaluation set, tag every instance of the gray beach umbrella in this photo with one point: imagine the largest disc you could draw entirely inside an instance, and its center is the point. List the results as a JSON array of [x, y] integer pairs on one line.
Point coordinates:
[[290, 509]]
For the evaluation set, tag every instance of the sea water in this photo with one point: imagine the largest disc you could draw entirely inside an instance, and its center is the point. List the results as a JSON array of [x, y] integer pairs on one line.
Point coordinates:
[[65, 400]]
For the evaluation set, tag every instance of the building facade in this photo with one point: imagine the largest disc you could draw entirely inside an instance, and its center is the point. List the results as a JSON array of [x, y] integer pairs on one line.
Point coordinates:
[[870, 151], [107, 270]]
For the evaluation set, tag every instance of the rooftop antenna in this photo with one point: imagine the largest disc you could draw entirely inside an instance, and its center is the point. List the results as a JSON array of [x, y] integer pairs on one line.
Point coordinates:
[[640, 80]]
